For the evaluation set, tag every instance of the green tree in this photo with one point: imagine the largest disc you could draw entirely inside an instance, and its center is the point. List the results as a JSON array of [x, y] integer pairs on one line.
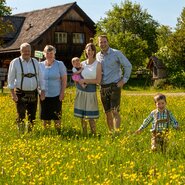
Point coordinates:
[[177, 42], [130, 29], [163, 35], [5, 25], [173, 53], [4, 10], [131, 45]]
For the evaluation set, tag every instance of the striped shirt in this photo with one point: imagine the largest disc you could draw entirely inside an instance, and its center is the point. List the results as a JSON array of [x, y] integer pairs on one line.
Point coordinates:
[[163, 121]]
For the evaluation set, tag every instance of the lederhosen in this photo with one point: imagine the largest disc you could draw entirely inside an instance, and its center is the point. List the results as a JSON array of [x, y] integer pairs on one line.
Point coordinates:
[[159, 138], [27, 100], [110, 97]]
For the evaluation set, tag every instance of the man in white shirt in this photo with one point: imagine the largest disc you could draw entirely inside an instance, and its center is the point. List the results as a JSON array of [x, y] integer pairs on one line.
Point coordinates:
[[24, 80]]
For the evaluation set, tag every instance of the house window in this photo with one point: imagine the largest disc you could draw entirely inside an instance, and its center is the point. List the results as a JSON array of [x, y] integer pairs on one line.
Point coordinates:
[[78, 38], [60, 37]]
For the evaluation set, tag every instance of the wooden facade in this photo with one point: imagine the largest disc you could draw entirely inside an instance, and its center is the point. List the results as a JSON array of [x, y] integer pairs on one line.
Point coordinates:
[[157, 67], [66, 27]]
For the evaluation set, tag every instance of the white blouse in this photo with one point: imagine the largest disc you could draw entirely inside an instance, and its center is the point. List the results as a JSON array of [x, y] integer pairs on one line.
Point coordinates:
[[89, 71]]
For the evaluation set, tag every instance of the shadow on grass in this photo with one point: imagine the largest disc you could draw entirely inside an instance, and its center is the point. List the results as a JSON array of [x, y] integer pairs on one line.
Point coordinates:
[[67, 133]]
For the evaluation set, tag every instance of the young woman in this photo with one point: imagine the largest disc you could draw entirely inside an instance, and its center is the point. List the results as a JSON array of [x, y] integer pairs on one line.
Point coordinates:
[[86, 104]]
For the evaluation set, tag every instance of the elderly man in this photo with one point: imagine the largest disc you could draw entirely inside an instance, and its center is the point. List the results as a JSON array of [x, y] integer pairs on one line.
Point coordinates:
[[112, 81], [24, 80]]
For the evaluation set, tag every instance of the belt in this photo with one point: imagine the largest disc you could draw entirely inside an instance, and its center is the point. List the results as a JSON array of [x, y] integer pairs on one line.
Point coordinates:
[[22, 91], [108, 85], [29, 75]]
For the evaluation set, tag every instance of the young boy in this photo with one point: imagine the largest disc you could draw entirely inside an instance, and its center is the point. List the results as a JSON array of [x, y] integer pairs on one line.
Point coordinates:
[[161, 119], [77, 69]]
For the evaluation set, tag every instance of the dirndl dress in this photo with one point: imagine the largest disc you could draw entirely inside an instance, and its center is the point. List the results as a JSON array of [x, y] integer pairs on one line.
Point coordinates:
[[86, 103]]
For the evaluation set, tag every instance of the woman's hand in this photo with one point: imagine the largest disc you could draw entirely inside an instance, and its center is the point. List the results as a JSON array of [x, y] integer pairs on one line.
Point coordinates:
[[81, 81], [42, 95], [61, 97]]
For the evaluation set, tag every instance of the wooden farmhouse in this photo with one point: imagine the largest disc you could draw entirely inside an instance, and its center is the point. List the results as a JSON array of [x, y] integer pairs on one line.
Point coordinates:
[[157, 67], [67, 27]]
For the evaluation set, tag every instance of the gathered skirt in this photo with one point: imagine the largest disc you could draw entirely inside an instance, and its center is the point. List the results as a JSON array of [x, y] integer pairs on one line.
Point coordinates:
[[51, 108], [86, 103]]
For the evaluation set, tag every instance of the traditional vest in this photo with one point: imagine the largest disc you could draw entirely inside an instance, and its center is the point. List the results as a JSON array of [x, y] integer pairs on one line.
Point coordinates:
[[160, 122]]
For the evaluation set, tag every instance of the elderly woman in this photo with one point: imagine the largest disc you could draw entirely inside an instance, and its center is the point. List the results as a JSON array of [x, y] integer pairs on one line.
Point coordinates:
[[86, 104], [55, 77]]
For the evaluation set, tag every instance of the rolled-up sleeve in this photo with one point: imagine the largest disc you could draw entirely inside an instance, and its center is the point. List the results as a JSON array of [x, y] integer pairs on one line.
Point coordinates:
[[126, 64], [11, 75]]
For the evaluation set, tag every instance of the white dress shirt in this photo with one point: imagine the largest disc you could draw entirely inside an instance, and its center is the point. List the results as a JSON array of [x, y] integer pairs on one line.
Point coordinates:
[[15, 75]]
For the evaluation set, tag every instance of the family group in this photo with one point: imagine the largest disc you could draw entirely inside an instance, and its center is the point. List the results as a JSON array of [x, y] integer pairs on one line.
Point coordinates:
[[29, 80]]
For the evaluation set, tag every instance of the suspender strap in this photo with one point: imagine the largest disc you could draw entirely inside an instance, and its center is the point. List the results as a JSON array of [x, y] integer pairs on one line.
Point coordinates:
[[35, 71], [24, 75], [168, 118], [155, 120], [161, 121]]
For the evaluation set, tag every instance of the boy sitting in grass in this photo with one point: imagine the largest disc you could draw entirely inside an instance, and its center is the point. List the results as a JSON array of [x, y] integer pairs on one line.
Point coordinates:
[[161, 119]]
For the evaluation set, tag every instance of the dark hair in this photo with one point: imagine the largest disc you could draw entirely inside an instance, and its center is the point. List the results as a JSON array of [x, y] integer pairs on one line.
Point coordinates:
[[159, 96], [92, 47], [91, 40]]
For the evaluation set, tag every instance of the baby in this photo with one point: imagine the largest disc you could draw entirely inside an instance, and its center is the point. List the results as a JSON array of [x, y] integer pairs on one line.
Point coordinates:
[[77, 69]]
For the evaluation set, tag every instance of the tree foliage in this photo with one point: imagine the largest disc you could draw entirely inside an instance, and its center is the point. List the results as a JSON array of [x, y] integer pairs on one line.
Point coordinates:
[[163, 35], [130, 29], [173, 53], [4, 10], [5, 26]]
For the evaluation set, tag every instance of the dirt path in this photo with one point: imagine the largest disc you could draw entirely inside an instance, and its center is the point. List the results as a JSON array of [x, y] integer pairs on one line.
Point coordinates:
[[152, 94]]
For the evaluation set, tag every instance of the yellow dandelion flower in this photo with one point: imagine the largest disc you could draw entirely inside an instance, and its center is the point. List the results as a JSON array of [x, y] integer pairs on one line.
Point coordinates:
[[65, 178]]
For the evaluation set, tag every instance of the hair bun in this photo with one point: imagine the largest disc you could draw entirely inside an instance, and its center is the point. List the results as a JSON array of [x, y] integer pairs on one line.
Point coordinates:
[[91, 40]]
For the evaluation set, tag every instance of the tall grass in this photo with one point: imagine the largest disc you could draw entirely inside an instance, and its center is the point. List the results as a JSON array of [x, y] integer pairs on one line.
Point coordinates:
[[46, 158]]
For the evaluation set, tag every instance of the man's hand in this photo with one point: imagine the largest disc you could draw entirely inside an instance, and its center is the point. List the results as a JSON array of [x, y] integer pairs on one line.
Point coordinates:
[[121, 83], [14, 97]]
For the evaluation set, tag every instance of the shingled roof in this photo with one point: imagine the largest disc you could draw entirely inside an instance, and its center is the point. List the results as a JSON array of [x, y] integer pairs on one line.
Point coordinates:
[[154, 61], [36, 23]]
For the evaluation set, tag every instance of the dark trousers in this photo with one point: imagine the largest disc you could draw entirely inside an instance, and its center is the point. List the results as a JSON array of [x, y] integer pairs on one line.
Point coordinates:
[[31, 109], [26, 106]]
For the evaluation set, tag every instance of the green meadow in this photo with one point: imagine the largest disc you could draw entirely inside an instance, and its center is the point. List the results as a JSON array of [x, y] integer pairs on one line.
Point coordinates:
[[45, 158]]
